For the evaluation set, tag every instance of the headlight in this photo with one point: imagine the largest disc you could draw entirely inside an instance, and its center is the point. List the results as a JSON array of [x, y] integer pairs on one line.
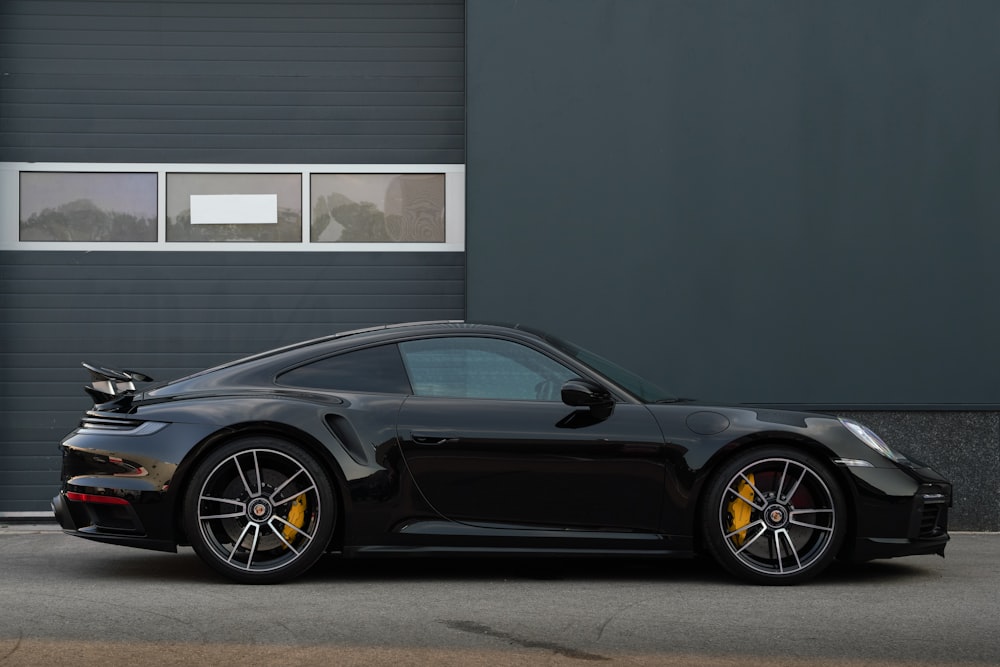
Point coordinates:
[[867, 436]]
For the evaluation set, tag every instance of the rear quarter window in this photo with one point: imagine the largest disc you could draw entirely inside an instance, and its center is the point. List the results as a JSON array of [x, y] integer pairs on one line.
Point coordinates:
[[371, 370]]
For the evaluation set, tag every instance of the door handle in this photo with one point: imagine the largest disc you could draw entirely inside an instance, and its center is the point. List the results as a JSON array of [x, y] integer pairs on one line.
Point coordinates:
[[432, 439]]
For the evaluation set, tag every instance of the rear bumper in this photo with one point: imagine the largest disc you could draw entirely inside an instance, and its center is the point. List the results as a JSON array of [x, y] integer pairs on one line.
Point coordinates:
[[116, 481], [103, 522]]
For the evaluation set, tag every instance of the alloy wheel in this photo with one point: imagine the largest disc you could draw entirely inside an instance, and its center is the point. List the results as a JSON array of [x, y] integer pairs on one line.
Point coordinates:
[[260, 511], [777, 518]]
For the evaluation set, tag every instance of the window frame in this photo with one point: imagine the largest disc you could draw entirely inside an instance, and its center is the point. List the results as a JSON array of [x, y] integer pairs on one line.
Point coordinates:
[[10, 206]]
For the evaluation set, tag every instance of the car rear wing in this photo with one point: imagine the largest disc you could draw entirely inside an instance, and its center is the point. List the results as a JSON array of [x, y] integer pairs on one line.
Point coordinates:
[[109, 385]]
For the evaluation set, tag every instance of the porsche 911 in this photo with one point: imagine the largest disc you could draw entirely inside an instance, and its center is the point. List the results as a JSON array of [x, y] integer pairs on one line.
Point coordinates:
[[463, 439]]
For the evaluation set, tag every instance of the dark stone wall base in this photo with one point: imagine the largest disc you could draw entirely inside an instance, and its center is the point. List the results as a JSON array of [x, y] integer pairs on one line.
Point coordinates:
[[962, 445]]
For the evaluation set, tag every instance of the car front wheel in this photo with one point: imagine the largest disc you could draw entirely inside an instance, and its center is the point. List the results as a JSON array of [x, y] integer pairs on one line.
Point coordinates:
[[774, 516], [259, 510]]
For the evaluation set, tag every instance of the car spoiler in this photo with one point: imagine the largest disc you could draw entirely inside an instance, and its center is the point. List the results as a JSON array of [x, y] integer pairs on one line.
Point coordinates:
[[110, 385]]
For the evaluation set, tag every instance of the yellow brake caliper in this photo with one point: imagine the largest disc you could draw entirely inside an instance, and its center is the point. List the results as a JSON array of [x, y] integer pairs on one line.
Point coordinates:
[[296, 517], [739, 510]]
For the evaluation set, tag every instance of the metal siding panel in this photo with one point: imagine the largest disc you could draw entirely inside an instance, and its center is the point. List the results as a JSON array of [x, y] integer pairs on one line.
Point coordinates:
[[172, 313], [279, 82], [794, 207]]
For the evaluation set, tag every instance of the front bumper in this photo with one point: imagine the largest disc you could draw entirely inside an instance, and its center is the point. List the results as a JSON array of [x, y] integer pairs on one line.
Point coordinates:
[[900, 513], [871, 548]]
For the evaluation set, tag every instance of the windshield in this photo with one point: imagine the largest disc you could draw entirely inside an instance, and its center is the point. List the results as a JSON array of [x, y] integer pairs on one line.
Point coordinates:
[[639, 386]]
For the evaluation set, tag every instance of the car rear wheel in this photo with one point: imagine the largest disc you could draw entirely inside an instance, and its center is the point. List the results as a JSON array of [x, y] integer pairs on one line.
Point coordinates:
[[259, 510], [774, 516]]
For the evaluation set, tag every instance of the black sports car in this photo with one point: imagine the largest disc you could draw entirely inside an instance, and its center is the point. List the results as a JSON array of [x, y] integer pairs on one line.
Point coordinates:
[[468, 439]]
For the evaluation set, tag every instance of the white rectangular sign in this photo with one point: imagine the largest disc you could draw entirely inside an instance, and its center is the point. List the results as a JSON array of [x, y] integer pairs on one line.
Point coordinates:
[[234, 209]]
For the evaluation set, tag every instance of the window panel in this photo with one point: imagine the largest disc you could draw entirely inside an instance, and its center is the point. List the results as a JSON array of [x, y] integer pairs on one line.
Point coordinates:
[[257, 208], [87, 207], [378, 208], [375, 369], [467, 367]]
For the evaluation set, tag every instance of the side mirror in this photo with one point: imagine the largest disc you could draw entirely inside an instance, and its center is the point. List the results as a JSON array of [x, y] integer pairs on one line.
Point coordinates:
[[581, 393]]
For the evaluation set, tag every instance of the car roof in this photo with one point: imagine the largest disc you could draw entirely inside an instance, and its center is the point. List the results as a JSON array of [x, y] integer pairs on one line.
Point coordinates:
[[389, 331], [317, 347]]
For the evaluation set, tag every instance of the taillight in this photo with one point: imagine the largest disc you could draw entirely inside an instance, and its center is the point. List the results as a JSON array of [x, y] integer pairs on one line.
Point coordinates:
[[91, 498]]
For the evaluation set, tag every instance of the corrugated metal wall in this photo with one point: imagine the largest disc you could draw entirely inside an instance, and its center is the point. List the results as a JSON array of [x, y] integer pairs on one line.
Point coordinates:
[[270, 82], [232, 81], [168, 314]]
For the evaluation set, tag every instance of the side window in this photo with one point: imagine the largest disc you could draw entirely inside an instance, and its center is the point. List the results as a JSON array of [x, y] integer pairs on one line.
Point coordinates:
[[466, 367], [373, 369]]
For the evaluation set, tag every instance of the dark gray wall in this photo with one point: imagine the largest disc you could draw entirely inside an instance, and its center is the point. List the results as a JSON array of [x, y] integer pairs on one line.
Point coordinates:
[[168, 314], [773, 201], [232, 81]]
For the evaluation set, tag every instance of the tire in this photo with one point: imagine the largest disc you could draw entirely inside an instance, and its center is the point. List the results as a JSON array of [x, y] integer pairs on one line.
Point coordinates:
[[259, 510], [773, 515]]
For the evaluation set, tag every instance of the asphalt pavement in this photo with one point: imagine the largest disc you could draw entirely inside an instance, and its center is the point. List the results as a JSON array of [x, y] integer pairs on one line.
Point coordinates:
[[66, 601]]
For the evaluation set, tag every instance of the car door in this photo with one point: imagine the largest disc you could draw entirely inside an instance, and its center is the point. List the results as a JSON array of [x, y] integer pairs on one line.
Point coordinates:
[[488, 441]]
